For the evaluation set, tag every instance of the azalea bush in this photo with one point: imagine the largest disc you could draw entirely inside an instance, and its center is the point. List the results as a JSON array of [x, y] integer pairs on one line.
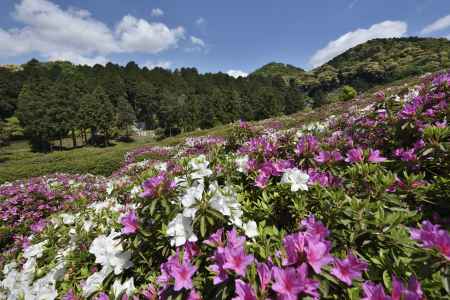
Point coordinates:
[[351, 207]]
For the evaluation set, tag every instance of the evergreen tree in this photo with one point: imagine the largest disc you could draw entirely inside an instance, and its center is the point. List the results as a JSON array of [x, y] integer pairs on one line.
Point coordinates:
[[125, 115]]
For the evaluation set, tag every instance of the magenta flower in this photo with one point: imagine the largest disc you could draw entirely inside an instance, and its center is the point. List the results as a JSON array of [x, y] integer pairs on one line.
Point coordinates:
[[182, 273], [374, 292], [156, 185], [286, 283], [244, 291], [315, 229], [194, 295], [375, 157], [432, 236], [264, 275], [102, 296], [191, 250], [412, 292], [348, 269], [130, 223], [70, 295], [354, 155], [215, 239], [236, 260], [309, 286], [150, 293], [234, 239], [39, 226], [218, 267], [262, 179], [318, 254], [294, 245]]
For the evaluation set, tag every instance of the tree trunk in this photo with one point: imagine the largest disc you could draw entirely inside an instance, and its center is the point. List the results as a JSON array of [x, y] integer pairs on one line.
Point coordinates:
[[106, 138], [74, 138]]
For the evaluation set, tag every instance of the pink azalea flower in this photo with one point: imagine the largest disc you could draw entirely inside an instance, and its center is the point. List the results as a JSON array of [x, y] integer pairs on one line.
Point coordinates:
[[412, 292], [39, 226], [182, 273], [194, 295], [218, 267], [130, 223], [354, 155], [234, 239], [432, 236], [237, 260], [286, 283], [215, 239], [244, 291], [102, 296], [309, 286], [150, 293], [315, 229], [374, 292], [264, 275], [70, 295], [375, 157], [262, 179], [348, 269], [191, 250], [318, 254], [294, 245]]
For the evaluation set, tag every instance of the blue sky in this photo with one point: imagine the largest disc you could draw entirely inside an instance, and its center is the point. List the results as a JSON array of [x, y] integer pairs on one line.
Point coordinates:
[[210, 35]]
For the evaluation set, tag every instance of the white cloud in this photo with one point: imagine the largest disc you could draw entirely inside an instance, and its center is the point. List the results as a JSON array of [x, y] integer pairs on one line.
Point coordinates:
[[161, 64], [437, 25], [200, 21], [351, 39], [197, 41], [137, 35], [55, 33], [78, 59], [157, 12], [237, 73]]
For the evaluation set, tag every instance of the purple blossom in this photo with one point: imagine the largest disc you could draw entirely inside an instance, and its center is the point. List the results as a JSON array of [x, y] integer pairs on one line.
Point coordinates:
[[318, 254], [348, 269], [354, 155], [130, 223], [264, 275], [215, 239], [244, 291], [194, 295], [102, 296], [70, 295], [150, 293], [286, 283], [307, 145], [375, 156], [217, 268], [237, 260], [157, 185], [315, 230], [39, 226], [412, 292], [182, 273], [432, 236], [374, 292]]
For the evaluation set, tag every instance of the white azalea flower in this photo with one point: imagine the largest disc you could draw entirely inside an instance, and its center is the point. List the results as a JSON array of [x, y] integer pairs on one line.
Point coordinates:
[[109, 187], [94, 282], [296, 178], [67, 219], [135, 191], [241, 163], [119, 288], [181, 231], [109, 253], [161, 166], [192, 196], [251, 229], [199, 166], [35, 250], [225, 201]]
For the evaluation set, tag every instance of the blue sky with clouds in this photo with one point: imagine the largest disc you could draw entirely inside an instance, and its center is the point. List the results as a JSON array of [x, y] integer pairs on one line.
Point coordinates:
[[239, 35]]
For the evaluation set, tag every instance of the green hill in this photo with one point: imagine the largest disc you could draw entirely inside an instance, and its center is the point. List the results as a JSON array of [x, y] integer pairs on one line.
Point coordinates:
[[375, 62]]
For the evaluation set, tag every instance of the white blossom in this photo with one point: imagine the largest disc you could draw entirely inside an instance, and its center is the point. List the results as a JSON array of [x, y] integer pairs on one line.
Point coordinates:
[[94, 282], [35, 250], [241, 163], [296, 178], [251, 229], [119, 288], [181, 231], [109, 253], [199, 166]]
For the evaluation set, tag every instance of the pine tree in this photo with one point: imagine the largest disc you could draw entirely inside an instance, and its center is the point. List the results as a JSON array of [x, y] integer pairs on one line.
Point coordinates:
[[125, 115]]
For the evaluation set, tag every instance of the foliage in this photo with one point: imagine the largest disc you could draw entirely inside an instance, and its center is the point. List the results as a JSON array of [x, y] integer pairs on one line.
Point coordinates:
[[349, 208]]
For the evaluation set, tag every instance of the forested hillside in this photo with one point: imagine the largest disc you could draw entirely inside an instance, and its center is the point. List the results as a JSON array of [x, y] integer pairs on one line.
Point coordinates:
[[374, 62], [53, 99]]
